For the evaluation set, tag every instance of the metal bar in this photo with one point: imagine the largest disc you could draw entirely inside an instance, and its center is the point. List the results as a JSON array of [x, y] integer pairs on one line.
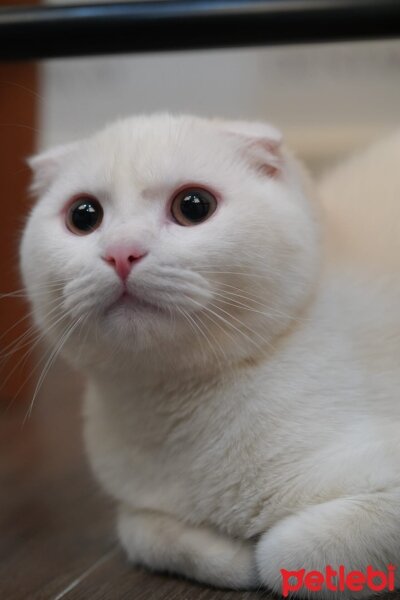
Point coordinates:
[[61, 31]]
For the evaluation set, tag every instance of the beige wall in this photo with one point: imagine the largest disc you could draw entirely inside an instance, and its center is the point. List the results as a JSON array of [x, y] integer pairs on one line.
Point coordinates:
[[328, 99]]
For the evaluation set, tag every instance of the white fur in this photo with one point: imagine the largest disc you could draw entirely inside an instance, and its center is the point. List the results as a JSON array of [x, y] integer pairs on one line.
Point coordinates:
[[251, 424]]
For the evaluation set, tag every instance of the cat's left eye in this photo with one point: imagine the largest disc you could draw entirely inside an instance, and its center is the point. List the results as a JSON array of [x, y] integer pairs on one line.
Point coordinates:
[[193, 205], [84, 215]]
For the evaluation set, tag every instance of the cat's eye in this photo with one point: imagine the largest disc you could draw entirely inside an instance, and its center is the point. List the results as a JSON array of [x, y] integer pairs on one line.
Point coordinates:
[[193, 205], [84, 215]]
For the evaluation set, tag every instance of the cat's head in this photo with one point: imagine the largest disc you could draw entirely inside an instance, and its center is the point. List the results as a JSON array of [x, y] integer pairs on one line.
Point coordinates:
[[170, 240]]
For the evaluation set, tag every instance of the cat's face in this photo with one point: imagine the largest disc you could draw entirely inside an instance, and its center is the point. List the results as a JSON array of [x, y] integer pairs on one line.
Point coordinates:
[[179, 237]]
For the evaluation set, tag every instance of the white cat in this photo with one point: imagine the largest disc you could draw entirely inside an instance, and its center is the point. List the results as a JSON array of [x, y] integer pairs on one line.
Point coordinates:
[[243, 381]]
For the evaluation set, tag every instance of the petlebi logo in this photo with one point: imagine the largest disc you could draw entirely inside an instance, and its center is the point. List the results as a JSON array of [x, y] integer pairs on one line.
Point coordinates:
[[338, 580]]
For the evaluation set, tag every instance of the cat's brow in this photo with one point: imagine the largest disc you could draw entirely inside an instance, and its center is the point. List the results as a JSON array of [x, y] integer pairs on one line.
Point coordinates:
[[160, 190]]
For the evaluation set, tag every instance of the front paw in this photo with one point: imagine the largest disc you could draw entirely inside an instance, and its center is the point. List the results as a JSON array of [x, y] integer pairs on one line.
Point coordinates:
[[333, 550], [162, 543]]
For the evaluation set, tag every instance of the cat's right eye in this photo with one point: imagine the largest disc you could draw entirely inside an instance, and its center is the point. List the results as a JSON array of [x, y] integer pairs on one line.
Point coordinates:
[[84, 215]]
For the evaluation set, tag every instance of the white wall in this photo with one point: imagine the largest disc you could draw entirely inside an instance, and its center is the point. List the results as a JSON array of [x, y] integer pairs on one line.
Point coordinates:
[[327, 98]]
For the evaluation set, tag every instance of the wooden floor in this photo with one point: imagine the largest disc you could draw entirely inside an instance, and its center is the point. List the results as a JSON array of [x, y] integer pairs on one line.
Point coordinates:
[[57, 536]]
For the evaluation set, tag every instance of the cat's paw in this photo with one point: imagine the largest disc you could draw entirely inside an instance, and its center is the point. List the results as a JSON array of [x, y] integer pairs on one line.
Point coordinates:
[[162, 543], [330, 538]]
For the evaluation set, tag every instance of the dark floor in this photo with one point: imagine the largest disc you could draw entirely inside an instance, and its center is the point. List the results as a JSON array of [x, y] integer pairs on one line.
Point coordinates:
[[56, 527]]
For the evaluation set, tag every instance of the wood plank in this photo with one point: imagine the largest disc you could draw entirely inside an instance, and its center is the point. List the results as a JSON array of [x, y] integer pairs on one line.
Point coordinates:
[[54, 520], [113, 579]]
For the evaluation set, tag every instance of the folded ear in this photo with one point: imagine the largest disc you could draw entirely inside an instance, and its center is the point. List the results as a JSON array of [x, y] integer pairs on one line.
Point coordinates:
[[261, 142], [46, 165]]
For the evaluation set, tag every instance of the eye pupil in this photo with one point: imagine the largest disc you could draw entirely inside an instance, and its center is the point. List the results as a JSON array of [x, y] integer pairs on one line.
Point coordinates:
[[195, 207], [192, 206], [84, 216]]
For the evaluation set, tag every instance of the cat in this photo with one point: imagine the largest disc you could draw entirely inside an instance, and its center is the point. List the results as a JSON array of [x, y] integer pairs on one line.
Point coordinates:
[[242, 378]]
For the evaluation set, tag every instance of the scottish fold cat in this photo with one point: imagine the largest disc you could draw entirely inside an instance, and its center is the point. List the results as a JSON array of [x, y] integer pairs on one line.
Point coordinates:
[[242, 360]]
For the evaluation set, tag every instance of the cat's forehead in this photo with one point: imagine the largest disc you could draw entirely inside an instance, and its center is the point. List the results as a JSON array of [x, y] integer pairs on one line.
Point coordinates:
[[158, 151]]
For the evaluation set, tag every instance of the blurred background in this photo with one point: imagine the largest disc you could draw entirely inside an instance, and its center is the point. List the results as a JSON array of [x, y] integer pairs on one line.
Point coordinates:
[[329, 100]]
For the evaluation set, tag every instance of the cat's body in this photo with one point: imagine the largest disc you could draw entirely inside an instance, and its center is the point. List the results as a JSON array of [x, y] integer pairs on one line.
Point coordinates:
[[313, 424], [254, 428]]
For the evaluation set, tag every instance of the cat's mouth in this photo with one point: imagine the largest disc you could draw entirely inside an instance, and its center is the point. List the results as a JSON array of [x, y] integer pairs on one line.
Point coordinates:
[[131, 303]]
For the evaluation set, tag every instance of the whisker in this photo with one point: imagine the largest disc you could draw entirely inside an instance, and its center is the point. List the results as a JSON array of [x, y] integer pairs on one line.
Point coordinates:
[[17, 344], [83, 342], [22, 87], [38, 339], [264, 305], [243, 295], [231, 325], [218, 324], [186, 316], [18, 322], [28, 315], [229, 363], [240, 305], [242, 324], [20, 125], [249, 273], [49, 364], [210, 333], [32, 293]]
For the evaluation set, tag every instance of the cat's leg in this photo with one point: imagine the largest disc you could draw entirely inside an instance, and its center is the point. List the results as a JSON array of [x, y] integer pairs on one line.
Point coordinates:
[[160, 542], [355, 532]]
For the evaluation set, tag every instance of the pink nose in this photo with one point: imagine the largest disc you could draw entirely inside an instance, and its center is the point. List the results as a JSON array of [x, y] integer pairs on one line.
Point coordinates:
[[123, 259]]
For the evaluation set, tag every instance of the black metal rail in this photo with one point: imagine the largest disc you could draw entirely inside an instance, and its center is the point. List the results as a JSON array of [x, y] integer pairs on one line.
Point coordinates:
[[57, 31]]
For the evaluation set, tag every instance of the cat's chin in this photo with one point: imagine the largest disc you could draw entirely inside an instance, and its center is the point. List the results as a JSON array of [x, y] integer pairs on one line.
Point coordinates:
[[130, 316], [130, 306]]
